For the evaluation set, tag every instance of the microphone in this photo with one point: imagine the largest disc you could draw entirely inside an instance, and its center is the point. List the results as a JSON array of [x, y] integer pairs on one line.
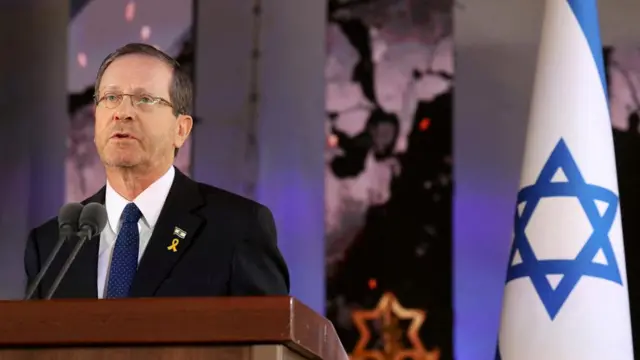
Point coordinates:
[[92, 221], [67, 227]]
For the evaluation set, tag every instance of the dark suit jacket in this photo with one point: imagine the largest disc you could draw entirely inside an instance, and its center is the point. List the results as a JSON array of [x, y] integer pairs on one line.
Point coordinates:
[[229, 249]]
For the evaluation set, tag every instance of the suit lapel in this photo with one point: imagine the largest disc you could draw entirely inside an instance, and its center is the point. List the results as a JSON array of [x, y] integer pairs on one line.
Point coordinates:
[[81, 278], [177, 225]]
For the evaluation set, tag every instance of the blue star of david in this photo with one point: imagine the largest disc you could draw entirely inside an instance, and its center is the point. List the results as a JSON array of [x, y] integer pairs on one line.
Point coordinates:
[[583, 264]]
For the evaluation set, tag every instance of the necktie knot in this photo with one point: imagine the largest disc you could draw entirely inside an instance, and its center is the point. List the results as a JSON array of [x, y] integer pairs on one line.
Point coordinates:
[[131, 213]]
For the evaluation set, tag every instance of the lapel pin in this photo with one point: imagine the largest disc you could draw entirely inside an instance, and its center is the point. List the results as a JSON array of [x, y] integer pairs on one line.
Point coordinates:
[[174, 245], [179, 232]]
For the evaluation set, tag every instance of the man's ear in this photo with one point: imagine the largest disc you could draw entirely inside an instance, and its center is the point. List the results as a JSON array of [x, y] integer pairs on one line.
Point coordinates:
[[185, 124]]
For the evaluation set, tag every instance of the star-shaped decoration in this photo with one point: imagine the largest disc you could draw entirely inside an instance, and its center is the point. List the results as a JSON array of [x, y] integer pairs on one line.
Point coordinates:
[[522, 260], [389, 311]]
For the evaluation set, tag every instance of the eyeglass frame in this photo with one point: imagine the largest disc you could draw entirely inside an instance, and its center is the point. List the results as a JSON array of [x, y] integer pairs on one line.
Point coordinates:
[[156, 99]]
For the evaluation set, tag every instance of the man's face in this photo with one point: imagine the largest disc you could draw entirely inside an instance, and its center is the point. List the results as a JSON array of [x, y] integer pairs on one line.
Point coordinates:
[[142, 135]]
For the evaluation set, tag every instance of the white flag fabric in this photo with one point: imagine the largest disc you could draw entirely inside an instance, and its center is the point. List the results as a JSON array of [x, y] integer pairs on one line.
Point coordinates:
[[566, 293]]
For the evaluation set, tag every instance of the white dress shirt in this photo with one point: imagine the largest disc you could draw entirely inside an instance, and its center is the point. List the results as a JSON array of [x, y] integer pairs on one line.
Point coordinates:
[[150, 203]]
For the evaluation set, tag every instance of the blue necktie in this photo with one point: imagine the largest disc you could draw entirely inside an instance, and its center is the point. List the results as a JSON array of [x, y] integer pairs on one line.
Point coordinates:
[[124, 261]]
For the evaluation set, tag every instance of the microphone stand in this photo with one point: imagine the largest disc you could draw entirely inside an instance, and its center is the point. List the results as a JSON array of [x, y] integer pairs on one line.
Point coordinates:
[[67, 264], [36, 282]]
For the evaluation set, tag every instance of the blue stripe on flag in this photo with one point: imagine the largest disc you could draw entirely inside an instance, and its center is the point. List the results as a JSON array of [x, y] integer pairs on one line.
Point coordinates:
[[586, 12]]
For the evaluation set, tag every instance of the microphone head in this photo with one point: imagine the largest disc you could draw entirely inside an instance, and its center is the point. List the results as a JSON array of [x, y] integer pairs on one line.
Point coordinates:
[[68, 216], [93, 219]]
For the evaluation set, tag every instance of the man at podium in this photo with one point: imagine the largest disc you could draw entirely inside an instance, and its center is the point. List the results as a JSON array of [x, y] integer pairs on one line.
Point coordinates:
[[165, 234]]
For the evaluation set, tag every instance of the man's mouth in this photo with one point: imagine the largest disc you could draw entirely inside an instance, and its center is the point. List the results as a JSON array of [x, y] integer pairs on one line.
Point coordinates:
[[122, 136]]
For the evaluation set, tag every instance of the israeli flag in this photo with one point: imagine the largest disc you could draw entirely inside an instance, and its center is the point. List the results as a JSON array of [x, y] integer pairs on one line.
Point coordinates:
[[566, 289]]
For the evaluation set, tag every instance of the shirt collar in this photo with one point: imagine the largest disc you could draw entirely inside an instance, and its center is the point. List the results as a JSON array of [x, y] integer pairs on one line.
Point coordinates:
[[150, 201]]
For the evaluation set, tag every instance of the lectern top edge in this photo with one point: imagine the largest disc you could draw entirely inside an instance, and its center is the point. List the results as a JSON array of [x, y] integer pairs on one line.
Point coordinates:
[[149, 321]]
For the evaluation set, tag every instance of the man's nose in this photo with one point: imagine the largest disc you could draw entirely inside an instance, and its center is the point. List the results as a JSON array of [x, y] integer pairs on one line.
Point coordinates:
[[122, 115], [124, 111]]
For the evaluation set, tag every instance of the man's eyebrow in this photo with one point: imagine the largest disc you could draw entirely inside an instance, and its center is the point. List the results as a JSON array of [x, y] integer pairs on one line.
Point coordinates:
[[138, 90], [109, 87]]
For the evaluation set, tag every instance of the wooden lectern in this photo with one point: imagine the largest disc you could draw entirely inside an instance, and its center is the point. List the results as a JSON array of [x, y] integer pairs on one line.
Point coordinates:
[[258, 328]]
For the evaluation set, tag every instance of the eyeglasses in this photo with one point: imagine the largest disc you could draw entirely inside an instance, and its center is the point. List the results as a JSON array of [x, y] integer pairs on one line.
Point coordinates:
[[112, 100]]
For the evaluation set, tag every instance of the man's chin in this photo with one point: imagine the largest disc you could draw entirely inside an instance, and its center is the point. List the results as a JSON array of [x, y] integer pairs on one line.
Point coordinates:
[[122, 160]]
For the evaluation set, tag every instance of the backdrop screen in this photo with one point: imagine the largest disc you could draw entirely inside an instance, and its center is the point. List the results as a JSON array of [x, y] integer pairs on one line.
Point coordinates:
[[388, 178]]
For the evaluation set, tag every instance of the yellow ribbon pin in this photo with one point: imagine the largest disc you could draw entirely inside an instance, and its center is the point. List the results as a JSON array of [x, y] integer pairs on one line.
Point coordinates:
[[174, 245]]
